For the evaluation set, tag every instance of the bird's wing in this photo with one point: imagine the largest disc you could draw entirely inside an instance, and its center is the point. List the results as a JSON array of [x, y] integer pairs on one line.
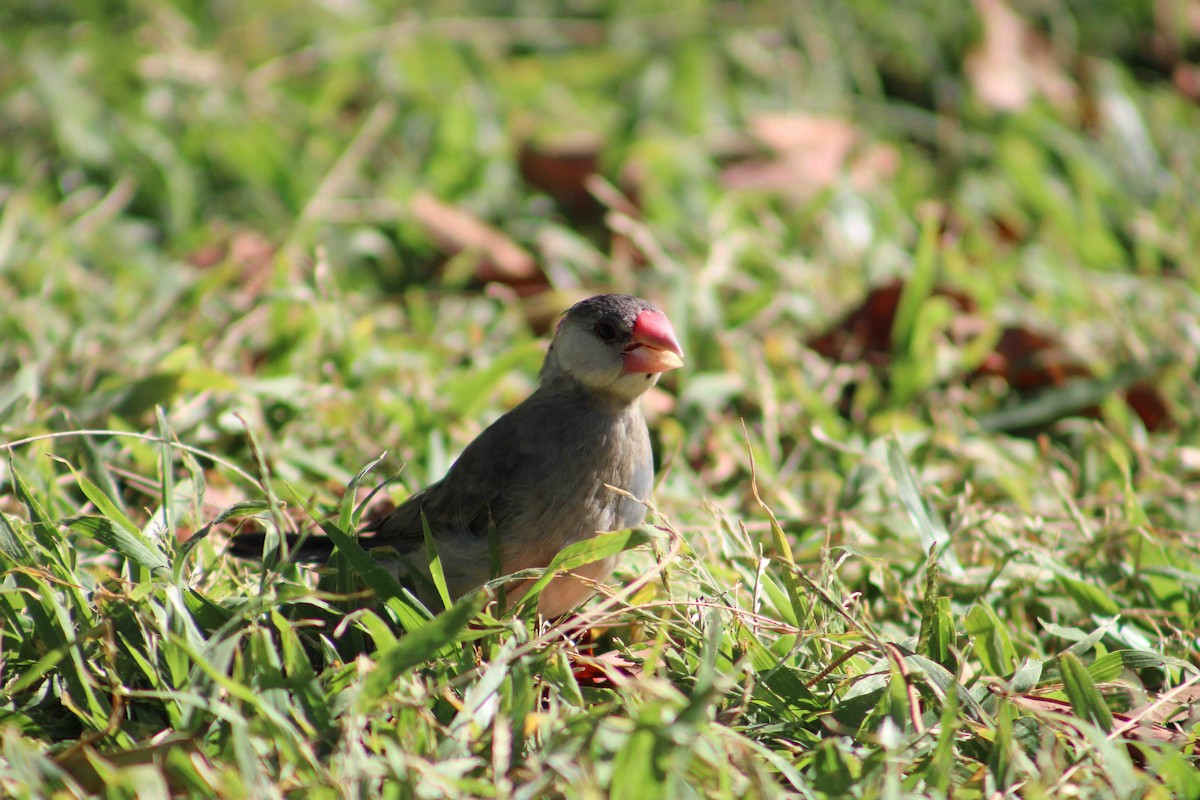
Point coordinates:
[[473, 490]]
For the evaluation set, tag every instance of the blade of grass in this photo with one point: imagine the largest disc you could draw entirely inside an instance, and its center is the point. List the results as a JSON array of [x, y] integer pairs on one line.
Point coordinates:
[[436, 573], [1082, 692], [1081, 393], [418, 647], [925, 518], [588, 551], [129, 545]]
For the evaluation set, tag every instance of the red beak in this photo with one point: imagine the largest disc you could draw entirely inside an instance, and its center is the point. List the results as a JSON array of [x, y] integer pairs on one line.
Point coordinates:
[[653, 346]]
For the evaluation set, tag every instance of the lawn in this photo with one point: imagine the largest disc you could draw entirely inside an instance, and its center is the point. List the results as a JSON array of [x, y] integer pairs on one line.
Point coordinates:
[[927, 518]]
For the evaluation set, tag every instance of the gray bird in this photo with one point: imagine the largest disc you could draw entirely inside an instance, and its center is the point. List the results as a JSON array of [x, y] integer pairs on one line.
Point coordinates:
[[539, 472]]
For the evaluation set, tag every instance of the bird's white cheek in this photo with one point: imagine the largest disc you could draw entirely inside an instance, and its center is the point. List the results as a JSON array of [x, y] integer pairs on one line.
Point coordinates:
[[631, 385]]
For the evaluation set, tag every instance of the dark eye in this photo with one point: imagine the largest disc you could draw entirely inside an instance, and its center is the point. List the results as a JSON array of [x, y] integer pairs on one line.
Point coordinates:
[[605, 331]]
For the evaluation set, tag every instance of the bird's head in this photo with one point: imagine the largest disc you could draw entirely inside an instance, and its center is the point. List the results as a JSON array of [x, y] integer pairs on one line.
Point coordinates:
[[615, 345]]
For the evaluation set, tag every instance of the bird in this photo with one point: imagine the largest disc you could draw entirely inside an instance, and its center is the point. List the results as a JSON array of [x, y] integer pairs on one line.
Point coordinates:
[[540, 472]]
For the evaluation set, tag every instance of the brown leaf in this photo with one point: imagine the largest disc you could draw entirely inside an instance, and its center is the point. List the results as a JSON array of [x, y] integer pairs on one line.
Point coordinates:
[[807, 153], [219, 495], [542, 311], [1176, 31], [561, 170], [1030, 361], [823, 142], [250, 253], [455, 231], [1142, 731], [79, 762], [1026, 360], [657, 404], [865, 334], [1014, 63], [208, 255], [1186, 78], [876, 164], [1170, 705], [1148, 404]]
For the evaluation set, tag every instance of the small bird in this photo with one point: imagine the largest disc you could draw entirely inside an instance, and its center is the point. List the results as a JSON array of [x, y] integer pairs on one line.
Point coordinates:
[[538, 473]]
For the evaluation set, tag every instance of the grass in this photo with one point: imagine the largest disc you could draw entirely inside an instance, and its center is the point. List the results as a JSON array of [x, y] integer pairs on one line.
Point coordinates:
[[864, 578]]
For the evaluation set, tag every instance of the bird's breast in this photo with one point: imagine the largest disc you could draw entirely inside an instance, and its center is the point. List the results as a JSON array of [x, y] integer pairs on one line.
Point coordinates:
[[564, 497]]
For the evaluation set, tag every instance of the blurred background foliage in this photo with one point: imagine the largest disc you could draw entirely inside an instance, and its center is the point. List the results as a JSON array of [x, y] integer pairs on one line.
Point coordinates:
[[294, 235]]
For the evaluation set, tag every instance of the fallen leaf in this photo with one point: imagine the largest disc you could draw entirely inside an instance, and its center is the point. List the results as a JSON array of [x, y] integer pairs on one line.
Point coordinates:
[[455, 231], [1029, 362], [1171, 705], [250, 253], [208, 255], [79, 762], [807, 153], [865, 334], [657, 404], [1148, 404], [1143, 730], [1014, 63], [561, 170], [877, 163], [1176, 31], [377, 512], [1186, 78], [542, 311]]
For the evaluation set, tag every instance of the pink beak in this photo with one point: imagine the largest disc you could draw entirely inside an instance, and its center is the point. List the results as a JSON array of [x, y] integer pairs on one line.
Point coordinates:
[[653, 346]]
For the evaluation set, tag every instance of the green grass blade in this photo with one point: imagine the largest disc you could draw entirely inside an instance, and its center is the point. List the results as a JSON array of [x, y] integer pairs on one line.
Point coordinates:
[[588, 551], [419, 647], [1075, 396], [1081, 691], [383, 583], [11, 545], [128, 544], [435, 563], [925, 518]]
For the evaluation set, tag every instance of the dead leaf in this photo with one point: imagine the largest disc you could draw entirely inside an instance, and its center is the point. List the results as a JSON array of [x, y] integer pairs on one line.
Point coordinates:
[[1186, 77], [807, 153], [542, 311], [455, 231], [208, 255], [1172, 705], [865, 334], [1015, 63], [250, 253], [1148, 404], [1176, 32], [657, 404], [79, 762], [377, 512], [1029, 362], [876, 164], [561, 170], [1143, 730]]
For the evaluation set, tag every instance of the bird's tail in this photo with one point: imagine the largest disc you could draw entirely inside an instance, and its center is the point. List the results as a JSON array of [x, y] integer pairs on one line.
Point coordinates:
[[305, 549]]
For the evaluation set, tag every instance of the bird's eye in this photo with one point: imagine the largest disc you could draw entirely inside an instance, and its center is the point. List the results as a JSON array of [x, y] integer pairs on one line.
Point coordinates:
[[605, 331]]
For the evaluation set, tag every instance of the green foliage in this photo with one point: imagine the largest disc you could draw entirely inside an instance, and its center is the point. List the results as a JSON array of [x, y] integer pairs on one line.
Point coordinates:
[[215, 304]]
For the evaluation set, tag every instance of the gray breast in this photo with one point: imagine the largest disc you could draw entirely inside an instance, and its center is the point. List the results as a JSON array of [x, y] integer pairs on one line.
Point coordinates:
[[562, 497]]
